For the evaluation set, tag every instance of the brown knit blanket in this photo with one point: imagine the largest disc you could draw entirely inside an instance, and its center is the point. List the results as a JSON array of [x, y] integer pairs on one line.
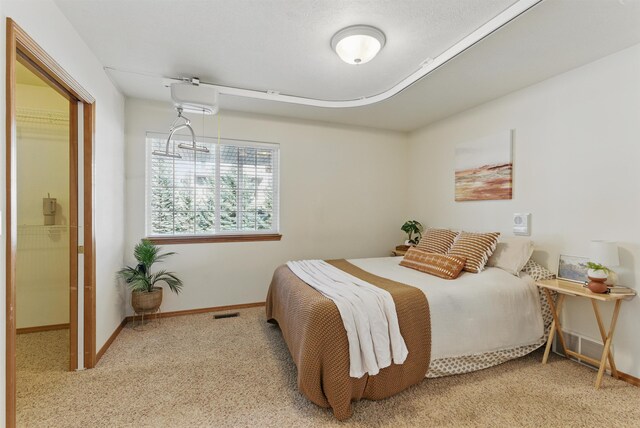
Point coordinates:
[[313, 330]]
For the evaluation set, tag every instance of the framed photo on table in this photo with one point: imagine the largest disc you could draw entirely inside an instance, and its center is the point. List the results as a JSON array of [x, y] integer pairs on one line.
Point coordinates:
[[573, 268]]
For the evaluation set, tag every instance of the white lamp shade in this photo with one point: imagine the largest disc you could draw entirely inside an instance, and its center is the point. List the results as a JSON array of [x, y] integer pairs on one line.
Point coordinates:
[[605, 253], [358, 44]]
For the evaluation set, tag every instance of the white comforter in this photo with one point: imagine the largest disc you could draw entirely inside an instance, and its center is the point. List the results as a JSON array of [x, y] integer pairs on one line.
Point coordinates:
[[474, 313], [368, 313]]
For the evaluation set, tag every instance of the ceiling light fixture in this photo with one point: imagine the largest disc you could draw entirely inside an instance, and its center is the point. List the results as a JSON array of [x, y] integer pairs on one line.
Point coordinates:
[[358, 44]]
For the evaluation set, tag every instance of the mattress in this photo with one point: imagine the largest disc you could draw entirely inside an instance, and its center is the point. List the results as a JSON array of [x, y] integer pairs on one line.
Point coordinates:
[[473, 314]]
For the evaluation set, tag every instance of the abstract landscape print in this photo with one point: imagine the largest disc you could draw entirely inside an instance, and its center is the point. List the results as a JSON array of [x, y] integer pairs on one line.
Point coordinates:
[[484, 168], [572, 268]]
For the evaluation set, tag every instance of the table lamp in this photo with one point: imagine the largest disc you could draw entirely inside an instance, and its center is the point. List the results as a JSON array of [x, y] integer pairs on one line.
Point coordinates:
[[603, 256]]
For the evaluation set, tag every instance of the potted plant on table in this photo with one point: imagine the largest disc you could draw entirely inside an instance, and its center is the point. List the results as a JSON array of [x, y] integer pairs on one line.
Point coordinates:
[[412, 227], [146, 298], [597, 275]]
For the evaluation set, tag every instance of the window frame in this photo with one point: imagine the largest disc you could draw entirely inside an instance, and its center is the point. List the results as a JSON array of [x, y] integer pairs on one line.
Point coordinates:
[[272, 234]]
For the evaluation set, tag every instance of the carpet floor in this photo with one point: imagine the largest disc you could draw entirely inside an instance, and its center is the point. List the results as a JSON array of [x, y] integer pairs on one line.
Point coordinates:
[[194, 371]]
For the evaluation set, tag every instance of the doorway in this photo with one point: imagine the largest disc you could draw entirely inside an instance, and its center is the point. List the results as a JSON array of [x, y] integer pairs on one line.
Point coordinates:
[[59, 223], [46, 280]]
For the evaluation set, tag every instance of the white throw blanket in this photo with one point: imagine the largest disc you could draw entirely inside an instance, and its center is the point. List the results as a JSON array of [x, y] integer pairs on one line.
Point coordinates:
[[368, 313]]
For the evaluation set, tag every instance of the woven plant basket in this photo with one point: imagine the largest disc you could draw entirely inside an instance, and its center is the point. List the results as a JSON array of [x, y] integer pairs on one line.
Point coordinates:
[[146, 302]]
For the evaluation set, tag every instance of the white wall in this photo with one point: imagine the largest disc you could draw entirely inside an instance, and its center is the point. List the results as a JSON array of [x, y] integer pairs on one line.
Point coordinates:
[[576, 169], [48, 26], [343, 194]]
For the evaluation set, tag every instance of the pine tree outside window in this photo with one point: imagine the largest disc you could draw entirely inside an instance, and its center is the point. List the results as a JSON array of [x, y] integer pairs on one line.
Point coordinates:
[[231, 190]]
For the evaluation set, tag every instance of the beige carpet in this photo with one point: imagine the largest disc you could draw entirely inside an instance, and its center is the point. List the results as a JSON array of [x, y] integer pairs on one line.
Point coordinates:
[[42, 352], [195, 371]]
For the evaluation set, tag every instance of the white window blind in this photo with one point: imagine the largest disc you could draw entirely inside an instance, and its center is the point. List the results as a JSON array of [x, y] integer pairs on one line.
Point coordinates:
[[232, 189]]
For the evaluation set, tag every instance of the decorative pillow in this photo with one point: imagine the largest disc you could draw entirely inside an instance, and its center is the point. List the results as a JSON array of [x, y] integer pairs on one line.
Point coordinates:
[[476, 248], [442, 265], [511, 254], [537, 272], [437, 240]]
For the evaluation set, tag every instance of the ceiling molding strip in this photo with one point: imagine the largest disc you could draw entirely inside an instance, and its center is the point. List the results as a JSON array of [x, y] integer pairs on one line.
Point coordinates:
[[427, 67]]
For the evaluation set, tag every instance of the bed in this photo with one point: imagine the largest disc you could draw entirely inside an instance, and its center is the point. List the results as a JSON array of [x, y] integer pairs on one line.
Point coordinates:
[[449, 326]]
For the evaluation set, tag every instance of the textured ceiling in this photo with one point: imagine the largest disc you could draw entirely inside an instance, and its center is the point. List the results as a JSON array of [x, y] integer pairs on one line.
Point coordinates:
[[284, 45], [280, 45]]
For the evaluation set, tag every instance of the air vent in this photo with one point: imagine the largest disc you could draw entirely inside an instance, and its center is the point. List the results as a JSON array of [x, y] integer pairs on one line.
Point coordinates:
[[226, 315], [580, 344]]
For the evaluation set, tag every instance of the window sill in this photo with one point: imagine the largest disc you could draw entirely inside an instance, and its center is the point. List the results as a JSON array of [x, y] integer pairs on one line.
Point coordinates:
[[174, 240]]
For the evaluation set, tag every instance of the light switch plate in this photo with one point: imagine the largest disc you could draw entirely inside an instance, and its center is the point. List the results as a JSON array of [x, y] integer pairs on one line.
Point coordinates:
[[522, 224]]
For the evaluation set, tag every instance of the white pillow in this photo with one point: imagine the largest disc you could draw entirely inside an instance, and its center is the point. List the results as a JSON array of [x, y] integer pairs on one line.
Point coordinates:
[[511, 254]]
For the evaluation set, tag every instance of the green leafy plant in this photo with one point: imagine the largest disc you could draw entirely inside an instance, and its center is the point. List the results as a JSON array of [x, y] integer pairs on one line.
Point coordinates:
[[412, 227], [140, 278], [598, 266]]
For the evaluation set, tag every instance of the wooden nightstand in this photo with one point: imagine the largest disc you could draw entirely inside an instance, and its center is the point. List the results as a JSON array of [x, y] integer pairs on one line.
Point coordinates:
[[567, 288], [400, 250]]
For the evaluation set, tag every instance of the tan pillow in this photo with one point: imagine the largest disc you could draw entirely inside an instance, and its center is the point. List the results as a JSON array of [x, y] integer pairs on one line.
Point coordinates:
[[437, 240], [447, 267], [476, 248], [511, 254]]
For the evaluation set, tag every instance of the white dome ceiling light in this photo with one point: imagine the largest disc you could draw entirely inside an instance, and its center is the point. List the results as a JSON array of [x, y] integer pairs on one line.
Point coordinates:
[[358, 44]]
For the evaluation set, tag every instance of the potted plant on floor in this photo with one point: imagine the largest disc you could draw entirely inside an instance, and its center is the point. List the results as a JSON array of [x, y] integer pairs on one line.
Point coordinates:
[[146, 298]]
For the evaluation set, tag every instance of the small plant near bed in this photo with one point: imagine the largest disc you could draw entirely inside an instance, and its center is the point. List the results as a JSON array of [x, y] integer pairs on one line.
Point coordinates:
[[598, 274], [413, 227], [597, 271], [598, 266], [146, 298]]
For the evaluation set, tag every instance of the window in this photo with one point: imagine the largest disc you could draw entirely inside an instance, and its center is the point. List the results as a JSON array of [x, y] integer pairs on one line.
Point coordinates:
[[230, 190]]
